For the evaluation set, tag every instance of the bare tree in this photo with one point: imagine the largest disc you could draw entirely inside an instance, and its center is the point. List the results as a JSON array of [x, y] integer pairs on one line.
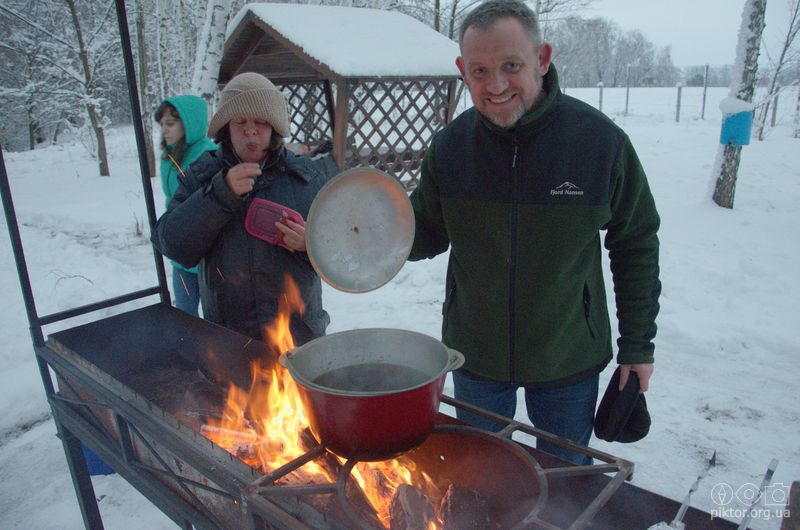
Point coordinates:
[[144, 79], [633, 58], [209, 49], [786, 56], [92, 109], [73, 64], [742, 88]]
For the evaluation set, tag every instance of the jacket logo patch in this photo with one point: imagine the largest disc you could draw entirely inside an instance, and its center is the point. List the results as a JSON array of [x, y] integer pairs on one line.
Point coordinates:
[[567, 188]]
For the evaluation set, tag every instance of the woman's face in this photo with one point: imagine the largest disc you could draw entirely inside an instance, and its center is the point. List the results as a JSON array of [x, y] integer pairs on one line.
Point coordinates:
[[250, 138], [171, 127]]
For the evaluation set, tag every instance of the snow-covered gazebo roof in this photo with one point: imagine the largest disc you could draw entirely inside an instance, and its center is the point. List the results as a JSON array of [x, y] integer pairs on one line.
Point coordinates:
[[379, 83], [286, 41]]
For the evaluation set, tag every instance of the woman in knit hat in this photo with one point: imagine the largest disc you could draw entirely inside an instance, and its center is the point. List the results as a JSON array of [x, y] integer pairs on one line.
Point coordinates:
[[243, 277], [183, 120]]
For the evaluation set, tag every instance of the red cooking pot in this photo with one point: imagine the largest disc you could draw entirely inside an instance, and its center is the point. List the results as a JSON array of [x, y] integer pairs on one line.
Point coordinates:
[[371, 394]]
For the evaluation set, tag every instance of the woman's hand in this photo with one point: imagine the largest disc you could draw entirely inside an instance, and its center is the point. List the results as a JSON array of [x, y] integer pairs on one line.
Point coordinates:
[[242, 177], [294, 235]]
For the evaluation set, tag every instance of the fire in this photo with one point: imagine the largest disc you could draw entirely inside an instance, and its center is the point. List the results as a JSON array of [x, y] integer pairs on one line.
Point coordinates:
[[263, 426], [380, 481]]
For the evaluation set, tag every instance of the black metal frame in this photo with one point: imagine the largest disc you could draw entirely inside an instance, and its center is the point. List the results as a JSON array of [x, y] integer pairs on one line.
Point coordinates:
[[71, 432]]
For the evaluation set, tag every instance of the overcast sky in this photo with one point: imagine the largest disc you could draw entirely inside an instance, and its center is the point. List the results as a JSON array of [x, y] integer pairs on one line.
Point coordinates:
[[699, 31]]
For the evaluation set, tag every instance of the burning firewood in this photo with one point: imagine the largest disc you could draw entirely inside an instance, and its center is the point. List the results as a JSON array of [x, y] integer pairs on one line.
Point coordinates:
[[464, 509], [411, 509], [357, 497], [242, 444]]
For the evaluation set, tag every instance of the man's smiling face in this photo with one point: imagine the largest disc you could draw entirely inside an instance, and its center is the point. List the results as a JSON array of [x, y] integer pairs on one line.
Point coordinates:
[[503, 69]]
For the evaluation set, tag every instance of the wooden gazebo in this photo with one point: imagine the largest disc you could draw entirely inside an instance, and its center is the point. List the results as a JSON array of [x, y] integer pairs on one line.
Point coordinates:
[[378, 83]]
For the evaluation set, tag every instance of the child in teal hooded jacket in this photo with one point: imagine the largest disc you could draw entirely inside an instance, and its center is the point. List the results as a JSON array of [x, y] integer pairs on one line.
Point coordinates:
[[184, 121]]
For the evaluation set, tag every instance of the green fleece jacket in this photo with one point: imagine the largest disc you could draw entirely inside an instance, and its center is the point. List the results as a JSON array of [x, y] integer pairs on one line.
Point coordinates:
[[522, 212], [193, 112]]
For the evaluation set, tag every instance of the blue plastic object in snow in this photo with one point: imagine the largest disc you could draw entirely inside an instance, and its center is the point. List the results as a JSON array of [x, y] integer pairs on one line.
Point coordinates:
[[95, 465], [736, 128]]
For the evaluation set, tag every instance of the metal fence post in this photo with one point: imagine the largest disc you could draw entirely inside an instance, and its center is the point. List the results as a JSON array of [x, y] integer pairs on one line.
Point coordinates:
[[627, 87], [678, 107], [600, 86], [705, 89]]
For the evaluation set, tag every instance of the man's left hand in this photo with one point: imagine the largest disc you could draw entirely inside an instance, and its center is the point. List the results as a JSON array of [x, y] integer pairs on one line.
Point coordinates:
[[644, 371]]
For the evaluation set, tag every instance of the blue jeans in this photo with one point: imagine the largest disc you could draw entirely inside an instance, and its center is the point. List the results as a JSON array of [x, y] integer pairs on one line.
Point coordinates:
[[187, 292], [566, 411]]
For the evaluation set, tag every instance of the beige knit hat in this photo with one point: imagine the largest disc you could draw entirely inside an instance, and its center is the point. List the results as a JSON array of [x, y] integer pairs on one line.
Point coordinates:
[[251, 94]]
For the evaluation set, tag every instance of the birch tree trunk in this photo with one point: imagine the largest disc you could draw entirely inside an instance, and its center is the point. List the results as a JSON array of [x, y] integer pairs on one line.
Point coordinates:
[[797, 115], [743, 85], [794, 28], [209, 49], [92, 111], [145, 95]]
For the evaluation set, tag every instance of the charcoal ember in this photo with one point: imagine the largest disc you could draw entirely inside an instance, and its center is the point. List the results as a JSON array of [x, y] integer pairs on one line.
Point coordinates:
[[410, 509], [464, 509]]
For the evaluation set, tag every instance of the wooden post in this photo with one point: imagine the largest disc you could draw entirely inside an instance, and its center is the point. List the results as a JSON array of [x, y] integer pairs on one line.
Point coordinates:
[[678, 106], [452, 101], [340, 129], [705, 90]]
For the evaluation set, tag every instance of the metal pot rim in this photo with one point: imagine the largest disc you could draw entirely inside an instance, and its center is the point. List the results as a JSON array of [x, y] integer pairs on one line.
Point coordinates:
[[454, 361]]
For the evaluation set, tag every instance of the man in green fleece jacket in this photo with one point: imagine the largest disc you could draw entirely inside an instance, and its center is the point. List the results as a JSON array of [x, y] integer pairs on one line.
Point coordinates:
[[519, 188]]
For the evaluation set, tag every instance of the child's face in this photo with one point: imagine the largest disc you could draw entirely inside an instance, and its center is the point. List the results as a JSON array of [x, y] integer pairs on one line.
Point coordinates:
[[171, 127]]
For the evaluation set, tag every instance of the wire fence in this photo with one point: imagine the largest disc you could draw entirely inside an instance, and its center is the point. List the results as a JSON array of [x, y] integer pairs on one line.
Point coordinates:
[[662, 103]]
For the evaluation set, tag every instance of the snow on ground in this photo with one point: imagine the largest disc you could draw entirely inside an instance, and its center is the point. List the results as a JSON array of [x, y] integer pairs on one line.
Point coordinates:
[[726, 351]]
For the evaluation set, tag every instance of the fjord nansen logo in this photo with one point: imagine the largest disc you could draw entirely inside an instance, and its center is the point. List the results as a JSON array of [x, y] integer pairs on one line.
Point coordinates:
[[568, 188]]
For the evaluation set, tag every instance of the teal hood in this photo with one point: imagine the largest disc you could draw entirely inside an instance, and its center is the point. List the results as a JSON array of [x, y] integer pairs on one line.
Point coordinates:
[[193, 112]]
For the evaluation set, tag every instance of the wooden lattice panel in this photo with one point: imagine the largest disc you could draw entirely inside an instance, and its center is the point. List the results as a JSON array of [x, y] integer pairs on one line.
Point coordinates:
[[309, 117], [390, 124]]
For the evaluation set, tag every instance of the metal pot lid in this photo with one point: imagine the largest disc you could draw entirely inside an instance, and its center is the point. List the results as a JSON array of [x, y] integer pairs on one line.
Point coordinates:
[[359, 230]]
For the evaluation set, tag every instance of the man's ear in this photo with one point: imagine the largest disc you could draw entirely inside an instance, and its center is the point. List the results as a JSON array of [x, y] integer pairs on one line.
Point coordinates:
[[460, 65], [545, 55]]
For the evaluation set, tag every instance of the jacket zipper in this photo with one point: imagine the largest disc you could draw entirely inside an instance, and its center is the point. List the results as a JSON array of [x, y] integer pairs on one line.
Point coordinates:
[[512, 266]]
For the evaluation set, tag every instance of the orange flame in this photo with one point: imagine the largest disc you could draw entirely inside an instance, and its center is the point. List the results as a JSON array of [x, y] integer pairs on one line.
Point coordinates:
[[262, 426]]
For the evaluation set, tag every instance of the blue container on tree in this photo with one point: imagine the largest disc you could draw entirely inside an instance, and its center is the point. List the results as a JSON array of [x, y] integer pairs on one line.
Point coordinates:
[[736, 128]]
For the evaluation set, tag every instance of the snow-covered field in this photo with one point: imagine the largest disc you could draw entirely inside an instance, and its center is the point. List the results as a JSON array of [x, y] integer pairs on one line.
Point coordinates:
[[727, 349]]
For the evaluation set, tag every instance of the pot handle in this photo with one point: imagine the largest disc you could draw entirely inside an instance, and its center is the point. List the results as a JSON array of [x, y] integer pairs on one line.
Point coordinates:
[[455, 360], [283, 359]]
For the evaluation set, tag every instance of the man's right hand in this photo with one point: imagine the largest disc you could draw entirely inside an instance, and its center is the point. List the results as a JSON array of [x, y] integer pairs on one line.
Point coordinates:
[[242, 177]]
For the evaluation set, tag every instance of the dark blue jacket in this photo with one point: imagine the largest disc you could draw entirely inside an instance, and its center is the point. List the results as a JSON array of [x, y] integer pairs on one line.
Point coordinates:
[[241, 276]]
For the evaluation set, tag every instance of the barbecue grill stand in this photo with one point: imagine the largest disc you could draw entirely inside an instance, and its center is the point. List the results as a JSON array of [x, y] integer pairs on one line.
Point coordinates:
[[72, 445]]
